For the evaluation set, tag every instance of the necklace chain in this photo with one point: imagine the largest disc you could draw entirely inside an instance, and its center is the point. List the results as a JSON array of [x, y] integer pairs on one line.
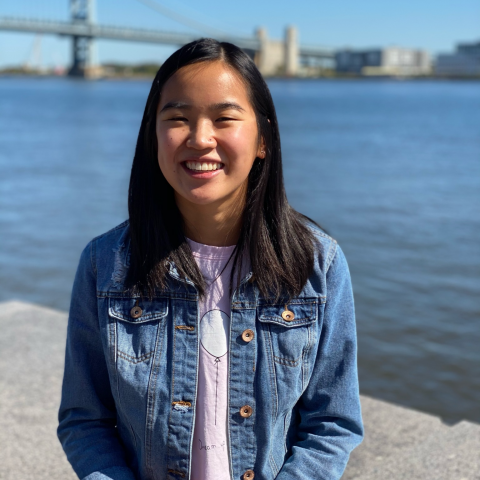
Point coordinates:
[[223, 269]]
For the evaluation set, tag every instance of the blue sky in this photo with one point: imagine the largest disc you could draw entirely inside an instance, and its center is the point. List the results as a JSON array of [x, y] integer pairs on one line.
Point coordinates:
[[433, 25]]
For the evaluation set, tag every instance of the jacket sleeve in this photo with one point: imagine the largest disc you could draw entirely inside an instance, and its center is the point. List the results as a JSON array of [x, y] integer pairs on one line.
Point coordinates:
[[330, 415], [87, 416]]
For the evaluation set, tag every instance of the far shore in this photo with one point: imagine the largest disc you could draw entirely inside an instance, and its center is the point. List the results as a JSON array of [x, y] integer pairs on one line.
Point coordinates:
[[147, 71], [14, 73]]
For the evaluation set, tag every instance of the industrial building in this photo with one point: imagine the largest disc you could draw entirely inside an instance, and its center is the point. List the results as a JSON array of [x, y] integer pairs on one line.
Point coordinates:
[[464, 62], [391, 61]]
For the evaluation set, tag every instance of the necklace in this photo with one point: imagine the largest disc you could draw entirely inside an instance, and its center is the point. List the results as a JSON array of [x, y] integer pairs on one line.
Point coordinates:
[[223, 269]]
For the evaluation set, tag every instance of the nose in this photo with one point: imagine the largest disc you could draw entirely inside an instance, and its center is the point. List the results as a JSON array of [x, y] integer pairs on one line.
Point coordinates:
[[201, 136]]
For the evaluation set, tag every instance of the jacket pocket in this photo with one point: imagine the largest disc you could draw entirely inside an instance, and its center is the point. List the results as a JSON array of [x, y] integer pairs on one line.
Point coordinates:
[[136, 326], [289, 328]]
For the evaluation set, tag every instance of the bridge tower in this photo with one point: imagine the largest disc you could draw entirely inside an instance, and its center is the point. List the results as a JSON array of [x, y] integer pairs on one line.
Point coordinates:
[[82, 11]]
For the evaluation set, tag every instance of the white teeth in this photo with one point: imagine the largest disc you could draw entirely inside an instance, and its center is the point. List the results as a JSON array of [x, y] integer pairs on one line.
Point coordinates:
[[203, 166]]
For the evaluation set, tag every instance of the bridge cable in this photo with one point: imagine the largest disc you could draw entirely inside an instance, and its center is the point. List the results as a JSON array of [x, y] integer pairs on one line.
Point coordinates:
[[178, 17]]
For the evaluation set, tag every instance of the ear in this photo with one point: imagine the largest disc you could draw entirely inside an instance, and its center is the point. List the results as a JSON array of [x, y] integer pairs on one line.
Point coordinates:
[[262, 149]]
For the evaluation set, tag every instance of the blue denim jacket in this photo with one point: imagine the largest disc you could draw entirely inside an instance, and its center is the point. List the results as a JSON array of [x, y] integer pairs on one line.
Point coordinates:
[[126, 371]]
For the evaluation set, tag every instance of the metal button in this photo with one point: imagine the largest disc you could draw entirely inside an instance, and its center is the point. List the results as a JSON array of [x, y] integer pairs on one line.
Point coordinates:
[[248, 475], [247, 335], [287, 315], [136, 311], [246, 411]]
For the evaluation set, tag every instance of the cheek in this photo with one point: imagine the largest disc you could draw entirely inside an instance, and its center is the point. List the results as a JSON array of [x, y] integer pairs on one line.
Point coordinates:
[[243, 140], [167, 147], [168, 141]]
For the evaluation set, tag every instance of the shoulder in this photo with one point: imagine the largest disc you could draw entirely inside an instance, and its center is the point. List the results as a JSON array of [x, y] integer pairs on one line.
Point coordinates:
[[109, 255], [330, 265], [325, 247], [114, 235], [114, 238]]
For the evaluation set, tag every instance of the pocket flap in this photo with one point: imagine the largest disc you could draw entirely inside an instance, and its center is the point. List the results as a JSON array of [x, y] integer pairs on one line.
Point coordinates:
[[304, 312], [122, 309]]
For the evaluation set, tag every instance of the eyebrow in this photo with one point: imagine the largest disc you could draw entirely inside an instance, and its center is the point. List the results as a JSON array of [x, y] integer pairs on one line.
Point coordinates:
[[226, 106], [214, 106]]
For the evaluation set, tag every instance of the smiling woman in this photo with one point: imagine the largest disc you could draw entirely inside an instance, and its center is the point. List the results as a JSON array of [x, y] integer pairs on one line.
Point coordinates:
[[212, 335], [207, 138]]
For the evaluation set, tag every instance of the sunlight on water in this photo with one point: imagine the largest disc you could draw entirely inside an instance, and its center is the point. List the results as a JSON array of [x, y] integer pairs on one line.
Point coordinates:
[[390, 169]]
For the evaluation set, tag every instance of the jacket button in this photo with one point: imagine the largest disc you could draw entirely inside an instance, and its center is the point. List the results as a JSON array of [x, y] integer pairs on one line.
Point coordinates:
[[248, 475], [246, 411], [288, 316], [247, 335], [136, 312]]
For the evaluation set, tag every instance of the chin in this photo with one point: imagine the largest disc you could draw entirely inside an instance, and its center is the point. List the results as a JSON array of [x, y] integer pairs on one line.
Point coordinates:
[[203, 200], [199, 199]]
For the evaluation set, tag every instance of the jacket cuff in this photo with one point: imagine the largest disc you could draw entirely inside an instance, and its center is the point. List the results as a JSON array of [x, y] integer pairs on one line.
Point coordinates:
[[112, 473]]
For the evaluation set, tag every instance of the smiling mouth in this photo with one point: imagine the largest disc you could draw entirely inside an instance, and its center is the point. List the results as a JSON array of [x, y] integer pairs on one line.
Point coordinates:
[[203, 166]]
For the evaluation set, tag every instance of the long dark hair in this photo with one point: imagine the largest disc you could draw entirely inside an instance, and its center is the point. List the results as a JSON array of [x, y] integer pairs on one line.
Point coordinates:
[[275, 238]]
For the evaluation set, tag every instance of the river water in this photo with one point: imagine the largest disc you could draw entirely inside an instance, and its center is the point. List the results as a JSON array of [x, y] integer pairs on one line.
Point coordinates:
[[391, 169]]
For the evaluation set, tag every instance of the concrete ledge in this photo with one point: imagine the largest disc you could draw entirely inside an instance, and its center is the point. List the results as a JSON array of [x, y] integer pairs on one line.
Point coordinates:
[[32, 347], [403, 444], [400, 444]]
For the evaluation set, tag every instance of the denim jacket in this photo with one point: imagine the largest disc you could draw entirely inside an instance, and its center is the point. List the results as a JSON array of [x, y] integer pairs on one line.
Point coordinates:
[[130, 383]]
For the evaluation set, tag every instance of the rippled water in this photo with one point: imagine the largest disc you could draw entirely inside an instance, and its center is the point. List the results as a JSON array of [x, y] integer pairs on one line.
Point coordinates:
[[390, 169]]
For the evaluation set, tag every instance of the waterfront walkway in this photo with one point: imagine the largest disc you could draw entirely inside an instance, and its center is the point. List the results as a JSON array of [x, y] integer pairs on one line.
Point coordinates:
[[400, 444]]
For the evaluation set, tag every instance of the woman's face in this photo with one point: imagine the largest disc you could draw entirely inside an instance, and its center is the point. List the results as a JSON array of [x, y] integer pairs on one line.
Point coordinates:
[[207, 134]]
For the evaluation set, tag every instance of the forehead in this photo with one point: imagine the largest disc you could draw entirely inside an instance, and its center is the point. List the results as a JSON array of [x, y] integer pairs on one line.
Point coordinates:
[[205, 83]]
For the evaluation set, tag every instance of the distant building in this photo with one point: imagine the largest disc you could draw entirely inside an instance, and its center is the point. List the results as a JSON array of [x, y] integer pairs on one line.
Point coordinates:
[[278, 57], [464, 62], [383, 61]]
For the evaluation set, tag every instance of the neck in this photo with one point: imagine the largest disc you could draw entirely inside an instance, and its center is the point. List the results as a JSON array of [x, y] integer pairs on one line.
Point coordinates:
[[214, 224]]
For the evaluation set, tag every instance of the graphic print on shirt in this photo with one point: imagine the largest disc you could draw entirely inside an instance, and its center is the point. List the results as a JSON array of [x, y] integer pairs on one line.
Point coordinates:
[[214, 328], [210, 452]]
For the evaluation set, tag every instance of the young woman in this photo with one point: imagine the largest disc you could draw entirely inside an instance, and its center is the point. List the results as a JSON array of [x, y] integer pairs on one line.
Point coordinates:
[[212, 336]]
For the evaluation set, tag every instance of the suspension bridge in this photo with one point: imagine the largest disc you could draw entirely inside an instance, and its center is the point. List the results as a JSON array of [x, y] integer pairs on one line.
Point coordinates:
[[272, 56]]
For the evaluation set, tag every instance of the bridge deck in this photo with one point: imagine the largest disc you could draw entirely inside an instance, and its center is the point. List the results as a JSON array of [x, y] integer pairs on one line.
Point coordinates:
[[107, 32]]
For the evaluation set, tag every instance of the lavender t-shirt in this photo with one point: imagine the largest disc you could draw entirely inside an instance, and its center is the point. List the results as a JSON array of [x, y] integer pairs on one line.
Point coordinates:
[[210, 459]]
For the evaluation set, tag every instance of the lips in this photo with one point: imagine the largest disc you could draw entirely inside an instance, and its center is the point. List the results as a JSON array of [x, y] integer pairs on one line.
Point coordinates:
[[203, 166], [202, 169]]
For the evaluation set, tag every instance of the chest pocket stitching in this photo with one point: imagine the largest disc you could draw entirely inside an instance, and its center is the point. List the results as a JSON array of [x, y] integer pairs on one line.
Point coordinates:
[[119, 308], [305, 315]]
